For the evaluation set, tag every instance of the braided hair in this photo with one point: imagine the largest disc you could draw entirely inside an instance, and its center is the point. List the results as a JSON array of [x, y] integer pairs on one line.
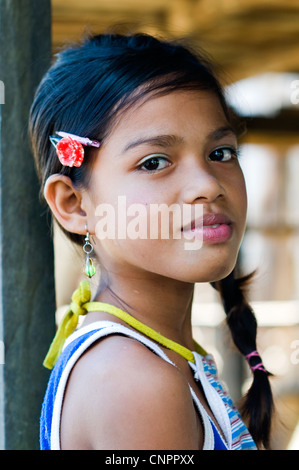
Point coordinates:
[[257, 407]]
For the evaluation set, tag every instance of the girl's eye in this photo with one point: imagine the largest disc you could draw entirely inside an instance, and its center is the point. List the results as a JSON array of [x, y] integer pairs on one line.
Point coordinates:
[[154, 162], [223, 154]]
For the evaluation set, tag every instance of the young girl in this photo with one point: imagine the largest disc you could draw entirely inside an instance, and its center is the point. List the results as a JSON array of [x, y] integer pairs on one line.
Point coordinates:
[[137, 120]]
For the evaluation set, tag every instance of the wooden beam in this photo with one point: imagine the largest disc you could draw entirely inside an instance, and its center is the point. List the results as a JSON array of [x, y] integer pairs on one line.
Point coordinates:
[[27, 300], [282, 129], [245, 38]]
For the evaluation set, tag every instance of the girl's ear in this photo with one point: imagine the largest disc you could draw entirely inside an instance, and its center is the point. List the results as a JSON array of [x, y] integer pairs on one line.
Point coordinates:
[[65, 203]]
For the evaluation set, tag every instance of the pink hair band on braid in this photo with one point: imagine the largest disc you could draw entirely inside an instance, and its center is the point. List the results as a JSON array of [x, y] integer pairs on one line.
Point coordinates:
[[258, 366]]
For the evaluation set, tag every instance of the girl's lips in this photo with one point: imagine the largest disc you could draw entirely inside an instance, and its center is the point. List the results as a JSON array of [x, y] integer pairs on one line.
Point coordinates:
[[216, 233], [212, 228]]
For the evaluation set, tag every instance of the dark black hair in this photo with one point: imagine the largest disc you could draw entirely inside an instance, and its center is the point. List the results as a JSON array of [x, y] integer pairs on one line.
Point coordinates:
[[84, 92], [91, 83]]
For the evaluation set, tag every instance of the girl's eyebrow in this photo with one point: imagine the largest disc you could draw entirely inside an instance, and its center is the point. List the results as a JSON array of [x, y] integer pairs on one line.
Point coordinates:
[[221, 132], [166, 140]]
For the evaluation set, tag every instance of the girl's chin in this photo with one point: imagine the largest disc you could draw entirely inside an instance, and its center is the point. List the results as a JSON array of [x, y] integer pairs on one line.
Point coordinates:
[[207, 264], [204, 271], [194, 275]]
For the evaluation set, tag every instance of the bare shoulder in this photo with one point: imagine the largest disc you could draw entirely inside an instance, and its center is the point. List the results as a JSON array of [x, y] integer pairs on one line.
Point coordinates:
[[123, 396]]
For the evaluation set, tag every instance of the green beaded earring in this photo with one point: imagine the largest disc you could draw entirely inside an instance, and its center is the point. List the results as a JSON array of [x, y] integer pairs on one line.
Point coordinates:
[[90, 269]]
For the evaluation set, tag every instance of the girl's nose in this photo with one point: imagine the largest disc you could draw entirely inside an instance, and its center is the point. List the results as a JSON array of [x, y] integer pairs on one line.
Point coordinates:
[[201, 185]]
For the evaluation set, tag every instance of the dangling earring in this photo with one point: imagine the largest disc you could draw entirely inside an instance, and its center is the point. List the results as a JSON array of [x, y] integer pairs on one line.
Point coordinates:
[[90, 269]]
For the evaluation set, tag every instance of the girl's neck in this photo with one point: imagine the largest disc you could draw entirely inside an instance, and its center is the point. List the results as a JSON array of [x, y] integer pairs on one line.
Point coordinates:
[[163, 304]]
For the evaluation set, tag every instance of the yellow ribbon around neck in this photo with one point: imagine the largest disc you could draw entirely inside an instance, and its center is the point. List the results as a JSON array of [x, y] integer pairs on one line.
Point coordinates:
[[81, 305], [69, 323]]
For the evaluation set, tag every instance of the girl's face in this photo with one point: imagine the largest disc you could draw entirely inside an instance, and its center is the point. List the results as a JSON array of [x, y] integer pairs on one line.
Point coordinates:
[[176, 153]]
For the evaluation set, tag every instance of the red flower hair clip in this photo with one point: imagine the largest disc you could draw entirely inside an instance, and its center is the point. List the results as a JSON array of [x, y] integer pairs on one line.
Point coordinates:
[[69, 148]]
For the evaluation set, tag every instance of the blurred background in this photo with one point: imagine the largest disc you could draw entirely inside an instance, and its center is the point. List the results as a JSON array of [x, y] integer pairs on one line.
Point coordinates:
[[256, 46]]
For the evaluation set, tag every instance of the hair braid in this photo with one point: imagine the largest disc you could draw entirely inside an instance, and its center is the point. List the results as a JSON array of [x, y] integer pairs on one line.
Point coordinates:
[[257, 408]]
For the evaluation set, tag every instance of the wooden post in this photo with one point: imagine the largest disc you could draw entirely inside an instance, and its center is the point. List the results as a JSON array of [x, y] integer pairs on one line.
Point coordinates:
[[27, 299]]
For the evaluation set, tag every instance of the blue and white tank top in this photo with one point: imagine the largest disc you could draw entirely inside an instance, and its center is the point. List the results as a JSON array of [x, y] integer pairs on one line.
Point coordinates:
[[235, 433]]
